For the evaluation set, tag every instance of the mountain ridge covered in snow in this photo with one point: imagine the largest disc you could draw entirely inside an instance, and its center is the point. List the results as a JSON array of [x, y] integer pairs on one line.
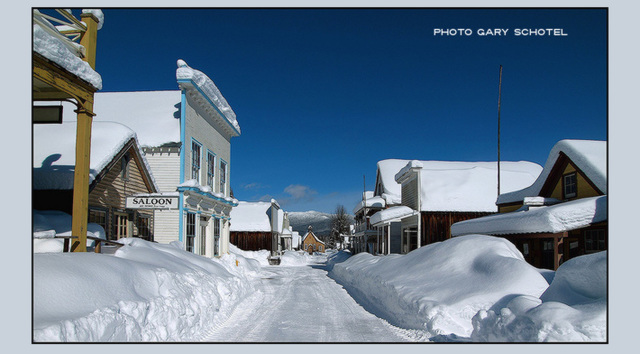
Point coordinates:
[[321, 222]]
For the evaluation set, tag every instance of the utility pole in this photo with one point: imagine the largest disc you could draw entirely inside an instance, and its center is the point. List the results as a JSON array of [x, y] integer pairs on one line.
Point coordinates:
[[499, 98]]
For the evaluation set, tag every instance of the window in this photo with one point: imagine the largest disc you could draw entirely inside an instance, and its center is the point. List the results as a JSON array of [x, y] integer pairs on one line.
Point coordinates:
[[191, 231], [216, 237], [195, 161], [98, 217], [594, 241], [570, 185], [211, 168], [203, 236], [144, 227], [223, 177]]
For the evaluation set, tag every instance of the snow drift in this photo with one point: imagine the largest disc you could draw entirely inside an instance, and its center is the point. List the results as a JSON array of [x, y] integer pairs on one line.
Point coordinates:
[[145, 292], [439, 288], [48, 224], [574, 308]]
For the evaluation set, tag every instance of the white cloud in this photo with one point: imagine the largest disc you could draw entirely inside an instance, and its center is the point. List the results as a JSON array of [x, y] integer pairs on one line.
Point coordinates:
[[300, 192]]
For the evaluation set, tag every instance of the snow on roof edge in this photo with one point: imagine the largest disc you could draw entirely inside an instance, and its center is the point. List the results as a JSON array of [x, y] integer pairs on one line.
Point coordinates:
[[595, 170], [210, 90]]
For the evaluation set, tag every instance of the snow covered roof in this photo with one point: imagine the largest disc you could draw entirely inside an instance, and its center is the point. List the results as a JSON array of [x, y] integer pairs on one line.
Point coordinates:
[[552, 219], [314, 236], [590, 156], [251, 216], [153, 115], [194, 185], [208, 88], [48, 42], [54, 152], [391, 214], [372, 202], [455, 185]]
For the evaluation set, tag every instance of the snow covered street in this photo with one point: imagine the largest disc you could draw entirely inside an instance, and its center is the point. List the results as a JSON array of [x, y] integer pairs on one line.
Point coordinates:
[[302, 304]]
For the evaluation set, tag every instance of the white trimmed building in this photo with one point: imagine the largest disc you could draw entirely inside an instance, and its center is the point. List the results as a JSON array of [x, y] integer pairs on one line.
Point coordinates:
[[186, 138]]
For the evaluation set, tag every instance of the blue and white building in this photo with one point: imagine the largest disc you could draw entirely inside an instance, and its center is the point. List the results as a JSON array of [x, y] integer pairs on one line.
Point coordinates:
[[186, 136]]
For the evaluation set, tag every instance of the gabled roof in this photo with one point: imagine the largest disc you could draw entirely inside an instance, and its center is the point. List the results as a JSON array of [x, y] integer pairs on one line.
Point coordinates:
[[314, 236], [590, 156], [557, 218], [457, 185], [54, 153]]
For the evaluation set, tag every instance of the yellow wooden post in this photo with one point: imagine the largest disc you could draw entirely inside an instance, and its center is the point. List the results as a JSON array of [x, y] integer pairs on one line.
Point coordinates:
[[85, 113], [81, 178], [89, 39]]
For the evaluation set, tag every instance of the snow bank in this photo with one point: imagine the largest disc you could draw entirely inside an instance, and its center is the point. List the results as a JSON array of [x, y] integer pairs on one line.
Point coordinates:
[[50, 223], [574, 308], [145, 292], [296, 258], [440, 287], [262, 256]]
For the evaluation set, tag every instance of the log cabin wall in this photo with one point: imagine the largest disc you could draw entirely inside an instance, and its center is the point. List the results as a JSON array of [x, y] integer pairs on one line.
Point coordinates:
[[436, 226], [251, 240]]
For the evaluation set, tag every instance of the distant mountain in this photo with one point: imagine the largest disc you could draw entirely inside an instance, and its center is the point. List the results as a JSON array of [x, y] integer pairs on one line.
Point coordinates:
[[321, 222]]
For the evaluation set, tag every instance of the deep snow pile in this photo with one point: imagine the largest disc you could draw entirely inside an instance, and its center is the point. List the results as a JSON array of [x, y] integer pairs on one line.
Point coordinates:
[[50, 223], [261, 256], [438, 288], [574, 308], [144, 292], [296, 258]]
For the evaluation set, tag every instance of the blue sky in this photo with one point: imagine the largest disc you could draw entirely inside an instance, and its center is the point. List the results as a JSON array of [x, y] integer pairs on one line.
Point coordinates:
[[321, 95]]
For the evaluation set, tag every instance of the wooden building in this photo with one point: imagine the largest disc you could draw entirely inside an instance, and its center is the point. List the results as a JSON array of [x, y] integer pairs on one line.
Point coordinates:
[[260, 226], [63, 61], [186, 137], [422, 199], [118, 170], [311, 243], [563, 214], [445, 192]]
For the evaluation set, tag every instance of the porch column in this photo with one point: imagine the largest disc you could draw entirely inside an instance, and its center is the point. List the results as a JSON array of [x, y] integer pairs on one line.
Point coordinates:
[[80, 212]]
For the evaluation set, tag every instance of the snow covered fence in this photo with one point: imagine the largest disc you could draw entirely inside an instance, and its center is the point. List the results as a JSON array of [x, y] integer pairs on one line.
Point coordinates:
[[440, 287], [574, 308], [145, 292]]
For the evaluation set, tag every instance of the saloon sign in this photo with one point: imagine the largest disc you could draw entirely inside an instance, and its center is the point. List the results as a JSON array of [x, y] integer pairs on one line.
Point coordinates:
[[152, 202]]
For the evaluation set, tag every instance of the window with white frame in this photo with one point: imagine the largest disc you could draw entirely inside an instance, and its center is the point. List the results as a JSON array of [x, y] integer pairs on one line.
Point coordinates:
[[223, 177], [211, 168], [216, 237], [191, 232], [195, 160]]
